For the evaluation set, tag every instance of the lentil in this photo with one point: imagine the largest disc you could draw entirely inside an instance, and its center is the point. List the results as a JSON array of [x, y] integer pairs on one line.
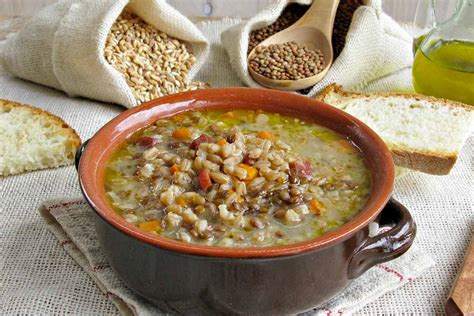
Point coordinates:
[[286, 61], [342, 21]]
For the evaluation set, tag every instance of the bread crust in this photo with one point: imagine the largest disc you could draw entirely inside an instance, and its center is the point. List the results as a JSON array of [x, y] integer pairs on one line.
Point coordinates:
[[423, 162], [353, 95], [72, 135], [427, 162]]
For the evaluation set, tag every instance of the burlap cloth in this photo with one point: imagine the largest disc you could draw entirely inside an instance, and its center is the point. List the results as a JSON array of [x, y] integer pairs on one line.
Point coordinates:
[[371, 37], [62, 46], [38, 277]]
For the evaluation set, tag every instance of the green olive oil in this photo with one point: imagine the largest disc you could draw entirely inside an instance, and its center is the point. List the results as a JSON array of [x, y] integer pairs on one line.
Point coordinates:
[[445, 69]]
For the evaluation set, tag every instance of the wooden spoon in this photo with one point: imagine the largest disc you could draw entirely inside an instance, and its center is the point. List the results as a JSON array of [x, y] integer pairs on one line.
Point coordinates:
[[461, 299], [313, 29]]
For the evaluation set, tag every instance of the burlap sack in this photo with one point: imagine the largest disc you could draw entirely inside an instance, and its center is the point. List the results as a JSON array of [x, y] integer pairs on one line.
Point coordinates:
[[62, 46], [375, 46]]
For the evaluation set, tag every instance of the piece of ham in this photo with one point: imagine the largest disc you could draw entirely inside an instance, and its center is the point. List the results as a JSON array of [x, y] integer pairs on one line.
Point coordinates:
[[301, 170], [198, 141], [147, 142]]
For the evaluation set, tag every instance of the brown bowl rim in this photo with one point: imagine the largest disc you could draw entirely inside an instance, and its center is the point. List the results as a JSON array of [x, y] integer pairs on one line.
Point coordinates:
[[102, 144]]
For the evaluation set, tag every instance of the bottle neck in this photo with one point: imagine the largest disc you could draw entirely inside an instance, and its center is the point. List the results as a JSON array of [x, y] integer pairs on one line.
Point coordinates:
[[465, 12]]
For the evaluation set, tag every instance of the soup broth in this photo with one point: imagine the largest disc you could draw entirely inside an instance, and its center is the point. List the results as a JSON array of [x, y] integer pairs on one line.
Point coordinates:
[[237, 179]]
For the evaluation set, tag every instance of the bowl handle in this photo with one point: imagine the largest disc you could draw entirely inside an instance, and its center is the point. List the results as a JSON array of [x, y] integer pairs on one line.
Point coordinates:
[[387, 245], [79, 152]]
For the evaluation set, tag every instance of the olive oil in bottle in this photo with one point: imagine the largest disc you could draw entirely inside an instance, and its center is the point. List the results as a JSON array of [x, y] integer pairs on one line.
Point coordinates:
[[446, 69]]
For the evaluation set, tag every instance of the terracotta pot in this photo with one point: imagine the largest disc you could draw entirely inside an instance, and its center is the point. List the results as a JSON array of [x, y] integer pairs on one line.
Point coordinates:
[[270, 280]]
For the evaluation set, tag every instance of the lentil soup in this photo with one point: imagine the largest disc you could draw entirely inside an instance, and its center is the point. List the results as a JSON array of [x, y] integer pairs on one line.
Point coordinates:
[[237, 179]]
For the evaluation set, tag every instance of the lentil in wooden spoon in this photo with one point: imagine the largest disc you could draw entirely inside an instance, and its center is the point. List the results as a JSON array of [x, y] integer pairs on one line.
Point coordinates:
[[299, 56]]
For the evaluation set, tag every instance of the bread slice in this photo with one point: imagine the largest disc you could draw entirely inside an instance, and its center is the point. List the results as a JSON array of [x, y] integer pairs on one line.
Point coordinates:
[[423, 133], [32, 139]]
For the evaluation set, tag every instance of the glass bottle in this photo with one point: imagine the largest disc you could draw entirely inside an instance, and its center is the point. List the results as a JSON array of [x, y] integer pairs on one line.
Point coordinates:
[[444, 62], [424, 21]]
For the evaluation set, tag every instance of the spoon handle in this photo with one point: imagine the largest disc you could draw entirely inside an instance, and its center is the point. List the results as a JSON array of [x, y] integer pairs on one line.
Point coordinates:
[[320, 15], [461, 299]]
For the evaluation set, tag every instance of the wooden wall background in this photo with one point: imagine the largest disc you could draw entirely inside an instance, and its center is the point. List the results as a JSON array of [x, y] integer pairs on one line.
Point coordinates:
[[401, 10]]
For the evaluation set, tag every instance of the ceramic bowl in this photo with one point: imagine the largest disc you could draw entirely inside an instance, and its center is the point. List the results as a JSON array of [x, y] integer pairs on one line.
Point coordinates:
[[189, 278]]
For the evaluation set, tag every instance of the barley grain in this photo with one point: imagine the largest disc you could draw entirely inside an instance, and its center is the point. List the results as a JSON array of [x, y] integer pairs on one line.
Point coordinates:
[[152, 63]]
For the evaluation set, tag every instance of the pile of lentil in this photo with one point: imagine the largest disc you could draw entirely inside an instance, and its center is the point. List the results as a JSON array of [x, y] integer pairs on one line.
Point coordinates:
[[342, 21], [287, 61], [290, 15], [153, 63], [194, 178]]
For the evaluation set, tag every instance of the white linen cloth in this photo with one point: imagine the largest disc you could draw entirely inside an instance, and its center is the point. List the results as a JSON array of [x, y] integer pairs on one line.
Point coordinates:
[[37, 277]]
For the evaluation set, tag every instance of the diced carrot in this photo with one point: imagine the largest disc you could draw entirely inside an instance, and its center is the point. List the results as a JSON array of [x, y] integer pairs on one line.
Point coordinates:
[[174, 168], [265, 135], [251, 171], [204, 179], [149, 226], [182, 133], [316, 207], [228, 114], [221, 142], [180, 201]]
